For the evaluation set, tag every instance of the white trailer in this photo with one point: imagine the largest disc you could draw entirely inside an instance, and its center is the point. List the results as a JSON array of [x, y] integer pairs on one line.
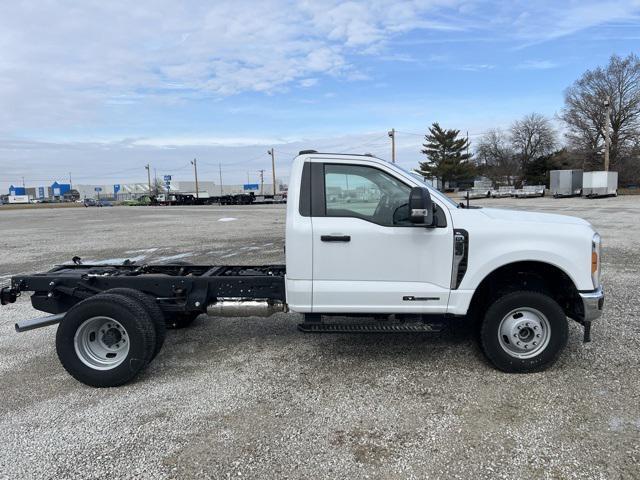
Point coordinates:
[[600, 184], [529, 191], [565, 183], [18, 199], [503, 192]]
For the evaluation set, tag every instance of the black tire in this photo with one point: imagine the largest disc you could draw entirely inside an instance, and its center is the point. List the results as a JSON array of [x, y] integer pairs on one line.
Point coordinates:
[[177, 321], [152, 308], [495, 347], [131, 315]]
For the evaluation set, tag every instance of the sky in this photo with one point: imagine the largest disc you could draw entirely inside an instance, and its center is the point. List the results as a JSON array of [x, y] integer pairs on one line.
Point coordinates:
[[99, 89]]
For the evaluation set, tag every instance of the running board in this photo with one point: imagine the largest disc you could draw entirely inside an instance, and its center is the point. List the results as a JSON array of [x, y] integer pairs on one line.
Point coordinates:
[[380, 327]]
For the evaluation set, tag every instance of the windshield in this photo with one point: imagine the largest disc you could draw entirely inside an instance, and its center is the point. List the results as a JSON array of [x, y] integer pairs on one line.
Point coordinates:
[[432, 190]]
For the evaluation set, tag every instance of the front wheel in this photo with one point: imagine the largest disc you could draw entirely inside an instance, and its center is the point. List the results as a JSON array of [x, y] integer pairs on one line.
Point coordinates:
[[524, 332]]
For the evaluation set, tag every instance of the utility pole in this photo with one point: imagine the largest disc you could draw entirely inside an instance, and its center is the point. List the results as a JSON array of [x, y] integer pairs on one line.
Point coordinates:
[[261, 182], [70, 182], [220, 170], [607, 138], [195, 169], [148, 169], [273, 168], [23, 182], [392, 135]]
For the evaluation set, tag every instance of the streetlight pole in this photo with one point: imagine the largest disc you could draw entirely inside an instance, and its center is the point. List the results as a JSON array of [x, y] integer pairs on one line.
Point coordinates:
[[220, 171], [392, 135], [607, 138], [195, 169], [273, 168]]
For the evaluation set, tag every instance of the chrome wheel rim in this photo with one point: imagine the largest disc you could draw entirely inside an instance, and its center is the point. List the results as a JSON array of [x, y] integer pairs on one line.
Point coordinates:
[[101, 343], [524, 332]]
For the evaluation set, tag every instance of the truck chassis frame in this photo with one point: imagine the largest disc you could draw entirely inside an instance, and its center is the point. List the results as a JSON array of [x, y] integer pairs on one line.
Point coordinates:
[[176, 288]]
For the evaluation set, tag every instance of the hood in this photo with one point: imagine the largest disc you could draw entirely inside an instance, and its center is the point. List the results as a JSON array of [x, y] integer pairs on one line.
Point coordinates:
[[535, 217]]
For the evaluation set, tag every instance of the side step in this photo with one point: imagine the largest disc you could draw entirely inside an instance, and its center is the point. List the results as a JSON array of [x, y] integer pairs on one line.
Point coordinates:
[[377, 327]]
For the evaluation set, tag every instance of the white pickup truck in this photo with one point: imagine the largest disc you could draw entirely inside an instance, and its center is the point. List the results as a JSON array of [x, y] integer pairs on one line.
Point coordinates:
[[366, 241]]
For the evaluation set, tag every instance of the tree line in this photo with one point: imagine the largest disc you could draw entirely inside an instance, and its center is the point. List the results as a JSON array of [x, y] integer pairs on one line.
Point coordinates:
[[531, 146]]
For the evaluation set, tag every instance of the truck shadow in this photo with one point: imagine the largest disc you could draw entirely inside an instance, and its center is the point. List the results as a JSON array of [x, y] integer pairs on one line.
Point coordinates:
[[218, 339]]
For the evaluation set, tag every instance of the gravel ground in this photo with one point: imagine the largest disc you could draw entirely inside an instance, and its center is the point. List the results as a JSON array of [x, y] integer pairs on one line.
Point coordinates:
[[255, 398]]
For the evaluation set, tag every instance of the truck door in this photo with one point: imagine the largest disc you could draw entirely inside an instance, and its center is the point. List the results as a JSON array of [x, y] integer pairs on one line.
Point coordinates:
[[367, 256]]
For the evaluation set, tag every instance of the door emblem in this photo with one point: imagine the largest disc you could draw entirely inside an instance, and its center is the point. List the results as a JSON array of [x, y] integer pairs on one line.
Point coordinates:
[[411, 298]]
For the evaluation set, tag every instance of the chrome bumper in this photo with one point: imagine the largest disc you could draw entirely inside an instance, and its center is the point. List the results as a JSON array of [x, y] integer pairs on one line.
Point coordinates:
[[592, 303]]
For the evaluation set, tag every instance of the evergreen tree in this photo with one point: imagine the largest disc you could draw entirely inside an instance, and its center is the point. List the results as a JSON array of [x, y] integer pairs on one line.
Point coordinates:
[[447, 155]]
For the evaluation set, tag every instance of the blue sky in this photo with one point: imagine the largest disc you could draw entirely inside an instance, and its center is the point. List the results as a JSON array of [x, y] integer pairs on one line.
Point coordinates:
[[101, 88]]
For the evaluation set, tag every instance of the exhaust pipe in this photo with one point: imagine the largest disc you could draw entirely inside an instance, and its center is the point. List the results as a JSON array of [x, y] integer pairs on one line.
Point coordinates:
[[245, 307], [33, 323]]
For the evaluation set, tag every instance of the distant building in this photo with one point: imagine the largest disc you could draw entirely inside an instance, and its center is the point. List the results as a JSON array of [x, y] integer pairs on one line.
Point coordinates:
[[59, 189], [13, 191]]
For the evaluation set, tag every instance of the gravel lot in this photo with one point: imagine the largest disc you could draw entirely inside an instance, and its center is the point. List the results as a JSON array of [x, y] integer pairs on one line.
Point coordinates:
[[255, 398]]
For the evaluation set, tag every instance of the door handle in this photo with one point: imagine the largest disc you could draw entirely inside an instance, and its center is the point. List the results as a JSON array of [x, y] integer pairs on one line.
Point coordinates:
[[335, 238]]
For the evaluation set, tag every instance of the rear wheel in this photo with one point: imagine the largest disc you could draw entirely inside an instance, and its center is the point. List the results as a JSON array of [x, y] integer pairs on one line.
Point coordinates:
[[524, 331], [105, 340], [152, 308]]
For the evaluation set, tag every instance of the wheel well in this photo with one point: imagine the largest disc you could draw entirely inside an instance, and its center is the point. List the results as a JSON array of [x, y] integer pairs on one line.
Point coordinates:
[[528, 275]]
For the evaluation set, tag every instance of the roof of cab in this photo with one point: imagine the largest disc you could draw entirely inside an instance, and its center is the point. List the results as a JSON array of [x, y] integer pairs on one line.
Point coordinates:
[[334, 154]]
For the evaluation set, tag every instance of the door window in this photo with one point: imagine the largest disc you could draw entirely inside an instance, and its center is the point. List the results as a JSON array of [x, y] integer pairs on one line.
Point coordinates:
[[366, 193]]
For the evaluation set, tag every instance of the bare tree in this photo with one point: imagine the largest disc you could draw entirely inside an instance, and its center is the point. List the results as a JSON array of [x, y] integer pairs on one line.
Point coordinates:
[[496, 157], [532, 137], [584, 111]]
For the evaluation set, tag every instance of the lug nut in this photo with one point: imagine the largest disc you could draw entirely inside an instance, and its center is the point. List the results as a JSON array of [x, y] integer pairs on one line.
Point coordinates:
[[538, 335]]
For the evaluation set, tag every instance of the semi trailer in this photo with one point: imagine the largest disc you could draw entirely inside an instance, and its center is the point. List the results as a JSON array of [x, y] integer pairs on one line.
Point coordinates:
[[366, 241]]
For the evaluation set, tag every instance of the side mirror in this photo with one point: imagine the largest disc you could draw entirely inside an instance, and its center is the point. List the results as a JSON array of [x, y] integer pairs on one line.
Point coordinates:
[[420, 207]]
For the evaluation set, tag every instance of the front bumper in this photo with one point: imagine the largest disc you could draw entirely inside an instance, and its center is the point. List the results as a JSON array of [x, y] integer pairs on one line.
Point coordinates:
[[592, 303]]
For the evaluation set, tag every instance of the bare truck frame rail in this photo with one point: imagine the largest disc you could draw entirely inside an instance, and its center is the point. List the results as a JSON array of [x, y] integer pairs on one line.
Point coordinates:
[[177, 289]]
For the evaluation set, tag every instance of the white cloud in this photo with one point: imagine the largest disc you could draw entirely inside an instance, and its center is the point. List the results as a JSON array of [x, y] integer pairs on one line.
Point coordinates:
[[536, 65], [536, 22], [61, 64], [308, 82]]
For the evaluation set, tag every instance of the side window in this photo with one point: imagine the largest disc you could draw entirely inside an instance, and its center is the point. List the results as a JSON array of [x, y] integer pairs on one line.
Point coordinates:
[[366, 193]]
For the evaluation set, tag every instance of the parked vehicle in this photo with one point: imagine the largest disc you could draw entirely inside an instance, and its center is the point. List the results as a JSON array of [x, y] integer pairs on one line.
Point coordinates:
[[529, 191], [502, 192], [565, 183], [400, 257], [18, 199], [600, 184]]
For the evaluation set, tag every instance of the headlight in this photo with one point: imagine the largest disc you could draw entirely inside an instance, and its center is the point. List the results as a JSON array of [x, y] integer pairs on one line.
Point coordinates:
[[595, 260]]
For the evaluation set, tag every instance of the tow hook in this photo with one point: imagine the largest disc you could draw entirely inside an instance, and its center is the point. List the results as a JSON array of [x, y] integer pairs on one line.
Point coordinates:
[[8, 295]]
